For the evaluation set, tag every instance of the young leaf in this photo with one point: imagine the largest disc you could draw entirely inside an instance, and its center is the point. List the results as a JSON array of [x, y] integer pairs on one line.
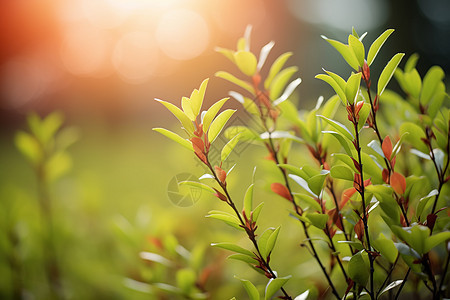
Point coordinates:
[[388, 71], [357, 48], [339, 91], [228, 148], [180, 115], [281, 190], [246, 62], [340, 128], [276, 68], [252, 291], [211, 113], [175, 137], [29, 147], [218, 124], [248, 200], [434, 75], [345, 51], [233, 247], [279, 82], [357, 270], [243, 84], [274, 285], [197, 97], [376, 46], [352, 87], [187, 108], [342, 172]]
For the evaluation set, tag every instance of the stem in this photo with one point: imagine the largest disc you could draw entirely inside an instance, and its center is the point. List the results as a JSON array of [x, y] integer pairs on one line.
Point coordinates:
[[402, 285], [444, 274], [361, 192], [252, 238]]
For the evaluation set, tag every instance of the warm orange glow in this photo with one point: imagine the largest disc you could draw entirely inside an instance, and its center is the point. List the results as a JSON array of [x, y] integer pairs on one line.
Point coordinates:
[[182, 34]]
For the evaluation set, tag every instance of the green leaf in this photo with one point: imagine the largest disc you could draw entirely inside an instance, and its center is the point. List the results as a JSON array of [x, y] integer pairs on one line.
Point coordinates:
[[357, 48], [302, 182], [180, 115], [316, 183], [175, 137], [245, 133], [345, 51], [414, 136], [423, 202], [391, 286], [318, 220], [242, 257], [199, 185], [187, 108], [274, 285], [309, 201], [276, 68], [272, 240], [280, 81], [233, 247], [363, 115], [211, 113], [358, 270], [228, 148], [340, 128], [302, 296], [186, 279], [419, 235], [29, 147], [154, 257], [231, 78], [252, 291], [355, 244], [246, 62], [292, 169], [339, 91], [433, 77], [218, 124], [344, 142], [248, 200], [387, 72], [257, 211], [229, 219], [411, 62], [376, 45], [57, 165], [342, 172], [435, 240], [263, 242], [413, 83], [197, 97], [386, 247], [226, 52], [352, 87]]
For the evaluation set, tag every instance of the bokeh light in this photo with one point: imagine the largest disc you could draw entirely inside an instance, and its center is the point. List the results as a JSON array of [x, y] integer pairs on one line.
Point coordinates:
[[182, 34]]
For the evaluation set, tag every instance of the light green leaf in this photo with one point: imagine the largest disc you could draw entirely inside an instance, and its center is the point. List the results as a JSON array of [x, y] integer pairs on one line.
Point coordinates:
[[245, 133], [339, 80], [307, 202], [386, 247], [357, 48], [342, 172], [433, 77], [57, 165], [263, 242], [187, 108], [318, 220], [226, 52], [344, 142], [316, 183], [180, 115], [376, 45], [218, 124], [413, 83], [229, 219], [272, 240], [387, 72], [352, 87], [414, 136], [280, 81], [340, 128], [29, 147], [363, 115], [328, 79], [228, 148], [274, 285], [435, 240], [197, 97], [357, 269], [186, 279], [411, 62], [345, 51], [248, 200], [233, 247], [246, 62], [175, 137], [252, 291], [200, 185], [257, 211], [242, 257], [276, 68], [243, 84], [424, 200], [211, 113]]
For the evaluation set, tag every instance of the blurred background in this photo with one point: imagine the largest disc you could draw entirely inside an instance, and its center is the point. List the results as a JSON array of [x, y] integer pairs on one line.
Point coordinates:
[[101, 63]]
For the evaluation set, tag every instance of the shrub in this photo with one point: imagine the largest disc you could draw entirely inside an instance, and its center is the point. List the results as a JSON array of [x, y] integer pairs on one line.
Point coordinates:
[[378, 194]]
